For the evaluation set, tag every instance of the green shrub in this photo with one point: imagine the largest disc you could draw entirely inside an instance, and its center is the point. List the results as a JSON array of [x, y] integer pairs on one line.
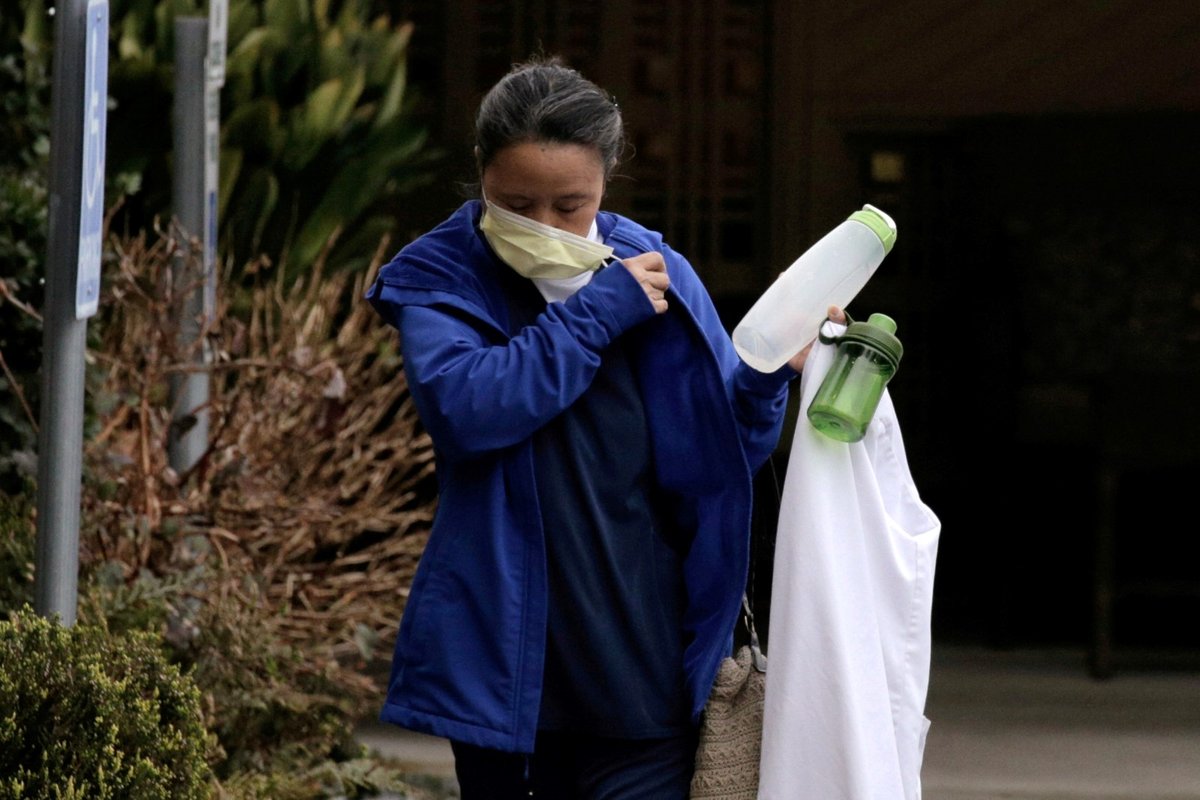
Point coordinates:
[[317, 139], [86, 713]]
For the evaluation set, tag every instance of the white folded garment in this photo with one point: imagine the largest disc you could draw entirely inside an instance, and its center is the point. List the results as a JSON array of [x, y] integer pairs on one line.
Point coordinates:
[[850, 616]]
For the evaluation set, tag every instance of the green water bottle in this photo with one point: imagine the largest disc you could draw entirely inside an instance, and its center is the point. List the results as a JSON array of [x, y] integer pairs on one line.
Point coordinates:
[[868, 354]]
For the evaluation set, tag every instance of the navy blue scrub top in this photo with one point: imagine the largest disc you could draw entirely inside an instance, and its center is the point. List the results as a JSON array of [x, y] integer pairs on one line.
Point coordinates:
[[615, 640]]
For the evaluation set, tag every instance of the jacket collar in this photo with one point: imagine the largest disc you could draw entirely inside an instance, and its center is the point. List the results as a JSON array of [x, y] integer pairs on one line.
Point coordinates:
[[434, 269]]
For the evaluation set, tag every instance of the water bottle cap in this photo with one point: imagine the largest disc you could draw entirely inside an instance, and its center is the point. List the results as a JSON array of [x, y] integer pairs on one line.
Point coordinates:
[[882, 321], [879, 223], [879, 333]]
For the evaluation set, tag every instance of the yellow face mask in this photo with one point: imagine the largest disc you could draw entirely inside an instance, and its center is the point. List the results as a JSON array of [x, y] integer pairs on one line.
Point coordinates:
[[535, 250]]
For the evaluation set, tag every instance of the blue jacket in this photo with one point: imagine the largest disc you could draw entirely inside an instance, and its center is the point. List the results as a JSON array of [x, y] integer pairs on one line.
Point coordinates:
[[468, 661]]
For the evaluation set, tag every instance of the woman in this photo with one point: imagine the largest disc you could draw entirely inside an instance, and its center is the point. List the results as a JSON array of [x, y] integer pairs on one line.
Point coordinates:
[[595, 437]]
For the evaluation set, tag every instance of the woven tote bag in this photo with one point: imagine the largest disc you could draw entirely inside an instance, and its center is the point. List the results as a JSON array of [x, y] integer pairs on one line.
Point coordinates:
[[731, 726]]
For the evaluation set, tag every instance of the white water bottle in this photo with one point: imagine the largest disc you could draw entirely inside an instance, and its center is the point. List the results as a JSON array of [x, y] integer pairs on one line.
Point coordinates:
[[831, 272]]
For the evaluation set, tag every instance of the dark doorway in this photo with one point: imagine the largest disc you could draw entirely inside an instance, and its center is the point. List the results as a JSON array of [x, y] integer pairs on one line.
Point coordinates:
[[1042, 263]]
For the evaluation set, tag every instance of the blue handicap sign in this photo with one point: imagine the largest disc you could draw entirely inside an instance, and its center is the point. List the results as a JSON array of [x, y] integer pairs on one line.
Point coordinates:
[[91, 201]]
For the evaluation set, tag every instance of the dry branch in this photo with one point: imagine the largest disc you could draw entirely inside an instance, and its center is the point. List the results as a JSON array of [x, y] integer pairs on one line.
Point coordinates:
[[318, 483]]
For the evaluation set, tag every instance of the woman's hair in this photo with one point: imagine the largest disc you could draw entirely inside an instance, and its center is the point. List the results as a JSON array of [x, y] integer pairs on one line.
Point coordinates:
[[547, 101]]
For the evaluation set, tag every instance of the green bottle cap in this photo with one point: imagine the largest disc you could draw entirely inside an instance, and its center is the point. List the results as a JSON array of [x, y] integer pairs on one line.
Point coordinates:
[[882, 321], [880, 223], [878, 332]]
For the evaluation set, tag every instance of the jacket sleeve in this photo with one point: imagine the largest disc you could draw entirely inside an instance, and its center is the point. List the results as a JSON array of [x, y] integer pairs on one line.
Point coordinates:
[[476, 396], [759, 399]]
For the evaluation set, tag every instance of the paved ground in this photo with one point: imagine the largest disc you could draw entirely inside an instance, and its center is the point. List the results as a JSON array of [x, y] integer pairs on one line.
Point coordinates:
[[1032, 725], [1026, 725]]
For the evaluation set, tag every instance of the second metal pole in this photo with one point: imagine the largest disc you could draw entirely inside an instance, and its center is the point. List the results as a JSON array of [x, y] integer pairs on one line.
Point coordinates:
[[190, 391]]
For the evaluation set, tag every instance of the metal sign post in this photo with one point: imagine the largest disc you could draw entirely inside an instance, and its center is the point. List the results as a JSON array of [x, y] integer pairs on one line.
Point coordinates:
[[77, 133], [188, 440]]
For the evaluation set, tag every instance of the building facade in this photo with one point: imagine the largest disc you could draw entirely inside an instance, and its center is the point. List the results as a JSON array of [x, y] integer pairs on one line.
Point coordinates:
[[1040, 161]]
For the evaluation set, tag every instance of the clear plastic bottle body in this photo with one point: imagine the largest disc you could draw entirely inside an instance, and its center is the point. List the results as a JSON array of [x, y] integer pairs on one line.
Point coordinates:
[[789, 314], [850, 393]]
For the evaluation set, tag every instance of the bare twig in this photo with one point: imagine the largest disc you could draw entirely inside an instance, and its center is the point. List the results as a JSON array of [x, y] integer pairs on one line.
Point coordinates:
[[16, 387], [6, 293]]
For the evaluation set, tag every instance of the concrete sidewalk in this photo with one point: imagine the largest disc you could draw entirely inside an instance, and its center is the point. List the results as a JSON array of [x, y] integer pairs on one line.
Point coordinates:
[[1031, 725], [1023, 725]]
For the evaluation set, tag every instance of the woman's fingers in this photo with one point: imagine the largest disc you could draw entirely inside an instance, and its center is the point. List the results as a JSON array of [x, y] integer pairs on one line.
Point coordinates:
[[650, 271], [797, 361]]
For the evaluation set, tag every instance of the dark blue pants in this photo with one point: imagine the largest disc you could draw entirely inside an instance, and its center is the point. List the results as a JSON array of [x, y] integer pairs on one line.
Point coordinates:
[[571, 766]]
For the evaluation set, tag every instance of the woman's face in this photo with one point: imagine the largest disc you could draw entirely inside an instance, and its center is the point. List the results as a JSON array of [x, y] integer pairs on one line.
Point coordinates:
[[557, 184]]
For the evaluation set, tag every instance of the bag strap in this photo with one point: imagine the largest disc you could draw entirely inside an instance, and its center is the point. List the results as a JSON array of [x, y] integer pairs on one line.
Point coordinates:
[[757, 659]]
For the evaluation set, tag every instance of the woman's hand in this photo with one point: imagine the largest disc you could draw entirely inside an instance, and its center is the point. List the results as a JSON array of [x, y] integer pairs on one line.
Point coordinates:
[[796, 362], [650, 271]]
